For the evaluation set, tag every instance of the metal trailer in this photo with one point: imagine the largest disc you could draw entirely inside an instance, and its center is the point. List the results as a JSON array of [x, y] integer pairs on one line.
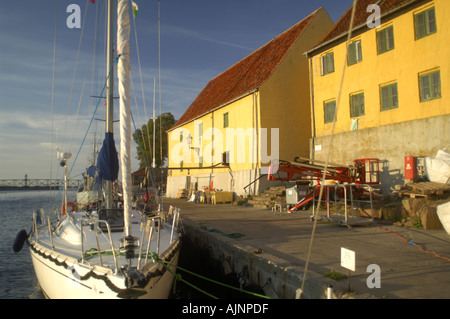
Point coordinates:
[[357, 180]]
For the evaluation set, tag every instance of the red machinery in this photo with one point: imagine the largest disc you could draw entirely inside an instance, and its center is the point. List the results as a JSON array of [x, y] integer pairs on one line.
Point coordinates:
[[363, 171]]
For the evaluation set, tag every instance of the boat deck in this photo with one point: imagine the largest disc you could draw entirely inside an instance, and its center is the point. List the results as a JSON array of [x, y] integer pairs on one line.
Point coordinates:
[[64, 241]]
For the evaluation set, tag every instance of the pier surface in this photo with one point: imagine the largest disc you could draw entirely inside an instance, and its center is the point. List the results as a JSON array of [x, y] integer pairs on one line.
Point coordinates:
[[413, 263]]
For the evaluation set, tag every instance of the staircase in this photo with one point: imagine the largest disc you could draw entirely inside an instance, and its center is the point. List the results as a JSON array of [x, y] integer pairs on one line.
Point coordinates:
[[266, 200]]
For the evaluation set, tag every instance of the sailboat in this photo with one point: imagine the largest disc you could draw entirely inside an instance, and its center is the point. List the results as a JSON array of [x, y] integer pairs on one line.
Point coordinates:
[[115, 251]]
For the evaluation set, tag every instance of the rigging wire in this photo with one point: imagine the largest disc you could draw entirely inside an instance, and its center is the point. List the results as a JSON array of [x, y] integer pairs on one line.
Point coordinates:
[[329, 148], [93, 115], [100, 15], [53, 92], [142, 84], [159, 87], [89, 126], [142, 148], [82, 93], [75, 70]]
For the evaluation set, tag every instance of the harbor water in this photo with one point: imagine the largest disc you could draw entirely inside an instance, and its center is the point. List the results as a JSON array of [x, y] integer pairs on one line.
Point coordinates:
[[17, 278]]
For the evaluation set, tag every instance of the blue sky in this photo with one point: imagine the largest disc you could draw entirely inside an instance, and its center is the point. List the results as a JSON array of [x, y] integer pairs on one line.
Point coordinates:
[[199, 40]]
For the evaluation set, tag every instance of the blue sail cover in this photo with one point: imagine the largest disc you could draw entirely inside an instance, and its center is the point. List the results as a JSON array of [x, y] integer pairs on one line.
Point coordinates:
[[108, 162], [92, 171]]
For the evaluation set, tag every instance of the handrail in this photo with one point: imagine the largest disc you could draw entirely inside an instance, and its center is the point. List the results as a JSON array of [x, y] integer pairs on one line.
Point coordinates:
[[95, 222], [142, 242], [176, 218], [149, 240], [352, 200], [327, 200]]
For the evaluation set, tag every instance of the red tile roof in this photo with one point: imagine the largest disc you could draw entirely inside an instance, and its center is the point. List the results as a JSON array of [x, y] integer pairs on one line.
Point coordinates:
[[245, 76], [342, 26]]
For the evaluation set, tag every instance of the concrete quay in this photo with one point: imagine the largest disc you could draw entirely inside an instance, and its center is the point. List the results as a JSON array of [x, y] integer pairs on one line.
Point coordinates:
[[271, 249]]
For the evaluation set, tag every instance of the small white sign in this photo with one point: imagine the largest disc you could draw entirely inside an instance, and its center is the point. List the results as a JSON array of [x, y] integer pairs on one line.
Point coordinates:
[[348, 259], [318, 148]]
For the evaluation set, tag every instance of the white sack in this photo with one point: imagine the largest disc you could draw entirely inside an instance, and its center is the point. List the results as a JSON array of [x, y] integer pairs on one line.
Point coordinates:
[[438, 168], [443, 212]]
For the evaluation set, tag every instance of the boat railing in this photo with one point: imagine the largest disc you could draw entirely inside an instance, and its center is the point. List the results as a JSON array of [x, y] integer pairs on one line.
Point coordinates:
[[153, 224], [152, 228], [95, 223], [175, 222]]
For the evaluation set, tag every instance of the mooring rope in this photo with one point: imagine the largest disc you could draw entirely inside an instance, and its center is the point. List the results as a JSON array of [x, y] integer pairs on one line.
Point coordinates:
[[179, 277]]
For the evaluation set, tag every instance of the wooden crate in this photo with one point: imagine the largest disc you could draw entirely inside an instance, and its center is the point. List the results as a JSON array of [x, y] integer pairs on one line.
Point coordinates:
[[424, 189]]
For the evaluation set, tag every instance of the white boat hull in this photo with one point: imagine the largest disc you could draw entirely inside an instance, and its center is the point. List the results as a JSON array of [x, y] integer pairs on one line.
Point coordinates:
[[64, 272], [61, 279]]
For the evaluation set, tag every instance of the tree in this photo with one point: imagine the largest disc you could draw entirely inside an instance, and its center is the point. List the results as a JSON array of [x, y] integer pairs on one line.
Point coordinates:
[[162, 123]]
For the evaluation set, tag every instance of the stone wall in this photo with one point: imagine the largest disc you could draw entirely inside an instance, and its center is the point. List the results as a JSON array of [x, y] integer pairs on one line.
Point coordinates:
[[390, 144]]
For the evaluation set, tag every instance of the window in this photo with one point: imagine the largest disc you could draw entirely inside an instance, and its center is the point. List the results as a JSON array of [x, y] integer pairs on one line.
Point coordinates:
[[226, 158], [425, 23], [385, 39], [389, 96], [328, 63], [225, 120], [354, 52], [329, 109], [181, 166], [200, 161], [357, 104], [181, 136], [430, 86]]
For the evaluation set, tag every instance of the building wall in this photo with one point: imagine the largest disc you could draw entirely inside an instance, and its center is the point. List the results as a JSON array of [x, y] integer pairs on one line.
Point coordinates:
[[390, 144], [285, 96], [403, 65], [240, 182], [414, 127], [237, 139]]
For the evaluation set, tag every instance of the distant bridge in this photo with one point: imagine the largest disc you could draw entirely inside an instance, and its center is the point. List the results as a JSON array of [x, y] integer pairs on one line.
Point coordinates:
[[36, 184]]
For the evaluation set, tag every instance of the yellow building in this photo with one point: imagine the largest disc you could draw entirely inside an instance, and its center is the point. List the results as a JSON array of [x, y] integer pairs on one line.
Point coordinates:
[[255, 112], [394, 98]]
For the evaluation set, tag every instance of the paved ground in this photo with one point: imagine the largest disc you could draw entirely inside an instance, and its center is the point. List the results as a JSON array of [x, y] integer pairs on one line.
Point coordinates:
[[414, 263]]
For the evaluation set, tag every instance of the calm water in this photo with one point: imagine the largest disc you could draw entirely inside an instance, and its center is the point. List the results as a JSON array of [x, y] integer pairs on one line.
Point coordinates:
[[17, 278]]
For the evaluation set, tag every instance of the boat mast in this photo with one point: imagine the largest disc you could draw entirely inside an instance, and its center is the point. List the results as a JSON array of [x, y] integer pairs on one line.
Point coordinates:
[[110, 91], [154, 124], [123, 48]]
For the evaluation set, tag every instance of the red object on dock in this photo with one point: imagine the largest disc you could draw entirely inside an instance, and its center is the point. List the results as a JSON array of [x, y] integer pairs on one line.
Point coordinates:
[[410, 167]]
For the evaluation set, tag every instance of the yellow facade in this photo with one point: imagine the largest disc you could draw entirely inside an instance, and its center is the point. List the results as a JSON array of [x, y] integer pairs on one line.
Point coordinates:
[[277, 112], [403, 66], [204, 147]]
